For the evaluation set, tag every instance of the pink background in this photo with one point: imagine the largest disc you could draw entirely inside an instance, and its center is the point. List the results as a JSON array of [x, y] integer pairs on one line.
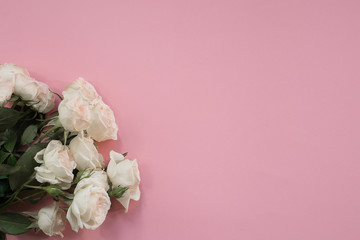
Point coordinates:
[[243, 115]]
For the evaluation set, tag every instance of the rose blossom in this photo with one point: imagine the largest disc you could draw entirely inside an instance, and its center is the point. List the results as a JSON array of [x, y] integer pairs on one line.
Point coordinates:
[[83, 109], [96, 178], [56, 166], [45, 100], [6, 90], [75, 109], [26, 87], [7, 80], [9, 70], [85, 153], [103, 126], [37, 94], [91, 202], [15, 79], [52, 220], [124, 173], [74, 114], [81, 88]]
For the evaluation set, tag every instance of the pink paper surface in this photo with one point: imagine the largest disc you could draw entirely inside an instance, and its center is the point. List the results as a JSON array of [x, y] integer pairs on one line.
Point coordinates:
[[244, 115]]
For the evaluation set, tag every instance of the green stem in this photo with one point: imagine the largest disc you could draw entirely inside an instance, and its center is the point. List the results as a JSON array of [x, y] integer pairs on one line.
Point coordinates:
[[46, 121], [24, 198], [15, 103], [36, 187], [16, 193], [61, 98], [47, 133]]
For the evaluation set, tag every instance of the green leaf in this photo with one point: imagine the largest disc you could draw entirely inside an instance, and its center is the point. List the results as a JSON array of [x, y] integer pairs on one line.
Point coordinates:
[[8, 170], [38, 199], [3, 156], [4, 186], [33, 224], [29, 135], [31, 215], [79, 176], [26, 163], [118, 191], [11, 160], [14, 223], [8, 118], [11, 138]]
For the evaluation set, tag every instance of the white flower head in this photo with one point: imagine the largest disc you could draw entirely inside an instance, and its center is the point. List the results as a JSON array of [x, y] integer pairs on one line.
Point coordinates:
[[103, 126], [15, 79], [6, 90], [52, 220], [57, 165], [7, 80], [85, 153], [9, 70], [83, 109], [91, 202], [124, 173]]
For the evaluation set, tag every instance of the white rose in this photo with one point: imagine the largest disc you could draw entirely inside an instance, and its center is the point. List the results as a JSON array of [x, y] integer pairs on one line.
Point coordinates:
[[26, 87], [74, 114], [81, 88], [8, 71], [85, 153], [98, 178], [7, 80], [91, 202], [83, 109], [6, 90], [45, 100], [37, 94], [124, 173], [57, 165], [75, 109], [52, 220], [103, 126]]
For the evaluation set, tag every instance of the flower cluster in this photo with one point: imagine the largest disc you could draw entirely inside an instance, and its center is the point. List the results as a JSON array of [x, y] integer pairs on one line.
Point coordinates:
[[52, 152], [16, 80]]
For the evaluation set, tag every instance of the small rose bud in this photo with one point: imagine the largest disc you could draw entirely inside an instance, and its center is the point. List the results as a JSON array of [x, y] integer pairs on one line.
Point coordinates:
[[51, 220]]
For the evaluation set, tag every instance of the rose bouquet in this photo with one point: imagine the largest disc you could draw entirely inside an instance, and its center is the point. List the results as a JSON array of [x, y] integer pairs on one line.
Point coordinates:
[[47, 152]]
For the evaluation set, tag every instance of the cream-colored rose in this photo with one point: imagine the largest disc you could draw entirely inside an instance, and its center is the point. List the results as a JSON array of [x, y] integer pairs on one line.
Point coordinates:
[[52, 220], [45, 100], [103, 126], [57, 165], [37, 94], [7, 80], [26, 87], [83, 109], [81, 88], [91, 202], [75, 110], [8, 71], [85, 153], [124, 173], [74, 114], [98, 178], [6, 90]]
